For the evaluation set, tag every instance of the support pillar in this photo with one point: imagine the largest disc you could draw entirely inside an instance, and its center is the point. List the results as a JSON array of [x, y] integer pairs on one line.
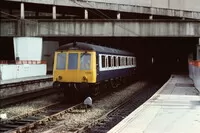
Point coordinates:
[[86, 14], [22, 16], [198, 51], [10, 11], [36, 14], [54, 12], [151, 17], [63, 15], [118, 15]]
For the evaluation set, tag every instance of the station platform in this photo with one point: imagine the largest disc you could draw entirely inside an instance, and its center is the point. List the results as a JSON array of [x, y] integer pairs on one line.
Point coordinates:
[[10, 81], [174, 108]]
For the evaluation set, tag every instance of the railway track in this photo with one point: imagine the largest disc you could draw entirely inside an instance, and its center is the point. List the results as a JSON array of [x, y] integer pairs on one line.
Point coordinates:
[[55, 113], [6, 85], [28, 121], [24, 123], [26, 95], [105, 122], [113, 117]]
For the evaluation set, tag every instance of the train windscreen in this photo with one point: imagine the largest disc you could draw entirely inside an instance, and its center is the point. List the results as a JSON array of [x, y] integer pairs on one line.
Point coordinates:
[[73, 61], [61, 61]]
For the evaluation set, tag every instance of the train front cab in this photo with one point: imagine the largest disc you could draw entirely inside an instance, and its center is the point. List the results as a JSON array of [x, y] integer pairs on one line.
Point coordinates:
[[74, 71]]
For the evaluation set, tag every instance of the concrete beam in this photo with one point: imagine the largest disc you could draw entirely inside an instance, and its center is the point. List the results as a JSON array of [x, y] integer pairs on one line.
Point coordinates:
[[86, 14], [22, 14], [54, 12], [101, 28], [118, 15], [165, 11], [198, 51]]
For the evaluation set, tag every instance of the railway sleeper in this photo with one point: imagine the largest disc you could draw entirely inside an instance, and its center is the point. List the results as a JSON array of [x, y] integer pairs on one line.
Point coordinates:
[[4, 129]]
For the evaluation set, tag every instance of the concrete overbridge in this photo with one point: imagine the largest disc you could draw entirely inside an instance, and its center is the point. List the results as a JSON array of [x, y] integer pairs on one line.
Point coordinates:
[[158, 28], [100, 28], [171, 8]]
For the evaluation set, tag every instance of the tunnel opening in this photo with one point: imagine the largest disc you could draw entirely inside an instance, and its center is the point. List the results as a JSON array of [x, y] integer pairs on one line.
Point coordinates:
[[162, 55], [7, 49], [158, 55]]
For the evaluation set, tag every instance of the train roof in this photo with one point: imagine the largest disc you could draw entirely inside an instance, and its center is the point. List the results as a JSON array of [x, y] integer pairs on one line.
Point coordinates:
[[97, 48]]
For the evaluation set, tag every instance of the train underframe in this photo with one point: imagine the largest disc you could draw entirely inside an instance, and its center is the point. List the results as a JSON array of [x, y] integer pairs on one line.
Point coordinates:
[[74, 92]]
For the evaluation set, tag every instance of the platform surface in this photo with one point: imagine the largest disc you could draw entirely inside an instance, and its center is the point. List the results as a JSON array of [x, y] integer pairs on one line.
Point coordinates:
[[2, 82], [175, 108]]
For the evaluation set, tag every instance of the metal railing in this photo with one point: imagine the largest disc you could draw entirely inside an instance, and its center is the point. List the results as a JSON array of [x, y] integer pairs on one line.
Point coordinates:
[[23, 62]]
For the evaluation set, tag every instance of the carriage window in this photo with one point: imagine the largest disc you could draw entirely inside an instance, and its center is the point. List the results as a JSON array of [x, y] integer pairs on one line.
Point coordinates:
[[128, 61], [61, 61], [115, 61], [122, 61], [126, 58], [109, 61], [131, 61], [103, 61], [73, 61], [85, 61], [119, 64]]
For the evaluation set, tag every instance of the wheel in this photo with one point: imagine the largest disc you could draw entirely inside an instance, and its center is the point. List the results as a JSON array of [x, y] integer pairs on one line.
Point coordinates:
[[95, 90], [113, 84], [71, 95]]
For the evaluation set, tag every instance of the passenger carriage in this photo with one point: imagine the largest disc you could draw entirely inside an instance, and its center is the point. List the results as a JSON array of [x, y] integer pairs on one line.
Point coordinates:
[[82, 67]]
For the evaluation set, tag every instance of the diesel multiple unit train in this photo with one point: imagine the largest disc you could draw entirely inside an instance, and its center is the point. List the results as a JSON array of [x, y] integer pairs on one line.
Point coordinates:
[[80, 68]]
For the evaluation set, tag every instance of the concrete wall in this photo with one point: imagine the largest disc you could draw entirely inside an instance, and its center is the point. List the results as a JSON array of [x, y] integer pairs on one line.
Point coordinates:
[[13, 71], [28, 48], [198, 52], [48, 50], [109, 28], [194, 73]]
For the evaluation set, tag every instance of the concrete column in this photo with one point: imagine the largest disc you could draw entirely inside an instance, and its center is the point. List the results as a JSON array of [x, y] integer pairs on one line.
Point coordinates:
[[151, 17], [22, 16], [198, 51], [152, 60], [118, 15], [86, 14], [10, 11], [54, 12], [36, 14]]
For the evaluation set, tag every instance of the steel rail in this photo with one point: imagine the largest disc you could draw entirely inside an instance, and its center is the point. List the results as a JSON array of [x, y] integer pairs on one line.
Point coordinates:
[[20, 83], [136, 100], [5, 101], [27, 121]]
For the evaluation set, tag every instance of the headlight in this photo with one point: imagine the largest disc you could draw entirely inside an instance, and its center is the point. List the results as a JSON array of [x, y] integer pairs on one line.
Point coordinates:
[[59, 77], [85, 79]]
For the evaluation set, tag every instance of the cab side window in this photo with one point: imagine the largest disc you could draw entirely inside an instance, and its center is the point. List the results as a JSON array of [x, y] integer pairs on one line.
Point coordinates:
[[85, 61]]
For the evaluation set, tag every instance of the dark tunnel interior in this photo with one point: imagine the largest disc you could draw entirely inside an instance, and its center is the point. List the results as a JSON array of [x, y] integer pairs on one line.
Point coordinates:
[[163, 55], [169, 55]]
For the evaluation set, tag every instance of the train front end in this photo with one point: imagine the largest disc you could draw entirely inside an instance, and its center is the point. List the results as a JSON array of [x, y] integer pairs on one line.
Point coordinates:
[[74, 70]]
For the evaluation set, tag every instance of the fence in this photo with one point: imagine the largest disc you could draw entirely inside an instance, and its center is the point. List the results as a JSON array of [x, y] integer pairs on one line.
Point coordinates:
[[194, 72], [22, 62]]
